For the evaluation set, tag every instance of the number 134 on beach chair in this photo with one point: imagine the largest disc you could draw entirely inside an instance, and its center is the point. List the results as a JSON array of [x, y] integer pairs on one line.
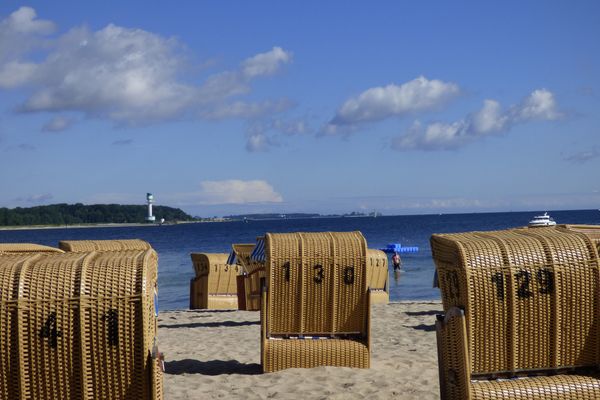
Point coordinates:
[[315, 302]]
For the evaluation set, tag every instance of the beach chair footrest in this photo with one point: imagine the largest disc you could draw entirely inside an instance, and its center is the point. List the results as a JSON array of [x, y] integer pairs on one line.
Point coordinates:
[[579, 387], [379, 297], [309, 353]]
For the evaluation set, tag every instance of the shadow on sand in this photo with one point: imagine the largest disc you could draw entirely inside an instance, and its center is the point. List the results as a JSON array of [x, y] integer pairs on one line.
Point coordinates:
[[213, 367], [208, 324], [423, 327], [419, 313]]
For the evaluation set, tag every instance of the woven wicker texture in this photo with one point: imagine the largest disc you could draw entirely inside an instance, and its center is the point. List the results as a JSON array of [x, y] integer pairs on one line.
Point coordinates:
[[559, 387], [317, 288], [252, 286], [253, 273], [593, 231], [78, 326], [307, 353], [214, 286], [242, 253], [103, 245], [532, 304], [377, 276], [453, 358], [27, 248]]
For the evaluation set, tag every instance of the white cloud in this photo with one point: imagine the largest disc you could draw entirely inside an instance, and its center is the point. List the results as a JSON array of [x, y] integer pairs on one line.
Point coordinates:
[[24, 20], [584, 156], [539, 105], [242, 109], [265, 64], [57, 124], [209, 193], [227, 84], [257, 142], [118, 73], [21, 31], [298, 126], [236, 191], [263, 135], [15, 73], [382, 102], [123, 74], [490, 120]]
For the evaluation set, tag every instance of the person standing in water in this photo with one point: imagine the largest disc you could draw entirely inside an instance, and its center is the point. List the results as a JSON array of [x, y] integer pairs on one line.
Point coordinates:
[[396, 261]]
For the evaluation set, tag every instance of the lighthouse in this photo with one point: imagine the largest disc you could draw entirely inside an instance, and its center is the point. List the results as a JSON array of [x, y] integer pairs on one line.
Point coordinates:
[[150, 200]]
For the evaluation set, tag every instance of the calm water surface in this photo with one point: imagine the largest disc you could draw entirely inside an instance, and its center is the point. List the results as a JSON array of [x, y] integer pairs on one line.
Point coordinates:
[[174, 243]]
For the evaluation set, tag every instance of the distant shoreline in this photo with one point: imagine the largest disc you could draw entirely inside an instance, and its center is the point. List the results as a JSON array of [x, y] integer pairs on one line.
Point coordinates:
[[83, 226], [249, 218]]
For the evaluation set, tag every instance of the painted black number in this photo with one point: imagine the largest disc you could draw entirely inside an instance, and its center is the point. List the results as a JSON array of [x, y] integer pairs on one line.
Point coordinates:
[[523, 280], [498, 279], [50, 331], [286, 271], [349, 275], [545, 278], [319, 273], [113, 327]]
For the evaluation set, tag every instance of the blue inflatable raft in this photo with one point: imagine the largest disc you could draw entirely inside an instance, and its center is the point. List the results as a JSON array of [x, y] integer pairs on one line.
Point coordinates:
[[398, 248]]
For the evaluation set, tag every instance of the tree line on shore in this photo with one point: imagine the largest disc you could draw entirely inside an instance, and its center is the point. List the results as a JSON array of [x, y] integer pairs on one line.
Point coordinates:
[[72, 214]]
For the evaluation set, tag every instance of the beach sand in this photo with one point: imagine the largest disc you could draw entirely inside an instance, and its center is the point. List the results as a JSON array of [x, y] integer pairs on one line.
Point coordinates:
[[216, 355]]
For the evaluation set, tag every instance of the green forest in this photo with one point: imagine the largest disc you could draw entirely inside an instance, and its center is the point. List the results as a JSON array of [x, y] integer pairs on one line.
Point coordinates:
[[72, 214]]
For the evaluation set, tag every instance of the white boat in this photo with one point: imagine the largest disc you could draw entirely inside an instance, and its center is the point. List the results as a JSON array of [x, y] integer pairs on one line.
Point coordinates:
[[542, 220]]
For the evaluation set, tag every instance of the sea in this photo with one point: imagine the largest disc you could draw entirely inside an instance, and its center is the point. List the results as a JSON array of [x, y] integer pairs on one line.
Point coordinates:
[[174, 243]]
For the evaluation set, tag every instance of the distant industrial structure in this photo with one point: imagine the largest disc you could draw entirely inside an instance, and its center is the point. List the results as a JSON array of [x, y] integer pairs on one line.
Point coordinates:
[[150, 200]]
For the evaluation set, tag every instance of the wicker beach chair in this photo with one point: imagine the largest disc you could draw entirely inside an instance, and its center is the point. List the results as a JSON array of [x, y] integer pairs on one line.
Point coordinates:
[[315, 303], [253, 272], [14, 248], [79, 326], [522, 314], [214, 286], [241, 254], [79, 246], [377, 276], [256, 274]]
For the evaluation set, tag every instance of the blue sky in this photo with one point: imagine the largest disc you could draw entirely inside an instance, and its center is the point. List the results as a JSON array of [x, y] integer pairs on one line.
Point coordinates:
[[234, 107]]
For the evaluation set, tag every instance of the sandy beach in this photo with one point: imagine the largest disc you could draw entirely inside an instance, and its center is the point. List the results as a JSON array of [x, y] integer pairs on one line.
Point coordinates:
[[216, 355]]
